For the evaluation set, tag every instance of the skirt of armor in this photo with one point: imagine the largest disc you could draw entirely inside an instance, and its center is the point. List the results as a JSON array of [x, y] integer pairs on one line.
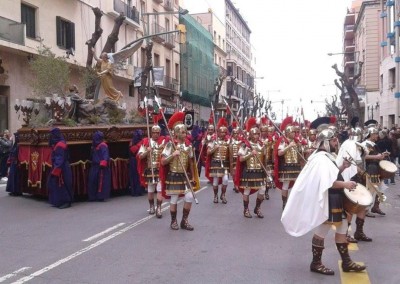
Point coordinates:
[[148, 175], [253, 179], [289, 172], [175, 183], [336, 211], [373, 171], [216, 170]]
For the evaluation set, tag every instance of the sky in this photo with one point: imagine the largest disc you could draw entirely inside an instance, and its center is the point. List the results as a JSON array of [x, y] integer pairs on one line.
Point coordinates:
[[291, 40]]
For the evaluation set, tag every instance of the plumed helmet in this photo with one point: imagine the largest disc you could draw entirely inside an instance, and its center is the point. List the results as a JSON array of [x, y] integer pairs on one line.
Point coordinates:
[[251, 125], [155, 128], [325, 134], [222, 124], [323, 122], [372, 127], [175, 122], [287, 124]]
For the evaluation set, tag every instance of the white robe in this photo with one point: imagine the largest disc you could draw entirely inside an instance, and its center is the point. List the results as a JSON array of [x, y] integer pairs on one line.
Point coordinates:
[[348, 148], [308, 203]]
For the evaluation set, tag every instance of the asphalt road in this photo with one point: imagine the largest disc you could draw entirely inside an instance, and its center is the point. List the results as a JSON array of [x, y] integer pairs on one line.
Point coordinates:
[[118, 242]]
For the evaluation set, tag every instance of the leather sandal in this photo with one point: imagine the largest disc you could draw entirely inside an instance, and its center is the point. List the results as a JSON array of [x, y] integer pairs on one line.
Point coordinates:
[[152, 210], [174, 225], [322, 269], [257, 211], [223, 199], [350, 239], [186, 226], [378, 211], [352, 267], [247, 214], [266, 196], [215, 198], [158, 212]]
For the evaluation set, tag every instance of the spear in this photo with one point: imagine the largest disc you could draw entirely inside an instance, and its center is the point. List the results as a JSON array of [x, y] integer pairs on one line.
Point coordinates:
[[148, 136], [179, 157]]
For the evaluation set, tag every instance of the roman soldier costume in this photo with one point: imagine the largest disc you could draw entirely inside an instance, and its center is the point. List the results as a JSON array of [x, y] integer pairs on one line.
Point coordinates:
[[268, 138], [250, 174], [217, 163], [178, 164], [287, 159], [149, 156]]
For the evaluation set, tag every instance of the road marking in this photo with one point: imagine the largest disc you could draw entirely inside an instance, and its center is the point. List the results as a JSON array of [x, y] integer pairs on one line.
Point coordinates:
[[8, 276], [88, 248], [354, 277], [353, 246], [103, 233]]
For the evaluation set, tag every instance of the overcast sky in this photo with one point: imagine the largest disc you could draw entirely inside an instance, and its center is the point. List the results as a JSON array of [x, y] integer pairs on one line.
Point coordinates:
[[291, 40]]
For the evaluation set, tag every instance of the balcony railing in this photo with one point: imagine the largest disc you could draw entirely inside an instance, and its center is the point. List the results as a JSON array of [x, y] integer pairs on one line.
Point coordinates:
[[169, 40], [130, 12], [155, 29], [12, 31], [171, 83]]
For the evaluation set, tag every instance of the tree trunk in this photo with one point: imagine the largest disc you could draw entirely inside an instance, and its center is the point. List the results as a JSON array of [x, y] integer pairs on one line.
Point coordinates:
[[98, 31]]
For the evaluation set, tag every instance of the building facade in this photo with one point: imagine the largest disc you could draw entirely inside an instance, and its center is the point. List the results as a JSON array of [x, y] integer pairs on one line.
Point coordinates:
[[65, 27]]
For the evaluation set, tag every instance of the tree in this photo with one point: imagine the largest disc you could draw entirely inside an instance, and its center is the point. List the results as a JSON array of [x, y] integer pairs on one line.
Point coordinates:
[[51, 73], [347, 85], [332, 108]]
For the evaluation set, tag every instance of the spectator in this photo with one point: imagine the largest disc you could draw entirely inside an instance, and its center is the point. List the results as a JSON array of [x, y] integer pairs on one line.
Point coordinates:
[[5, 148]]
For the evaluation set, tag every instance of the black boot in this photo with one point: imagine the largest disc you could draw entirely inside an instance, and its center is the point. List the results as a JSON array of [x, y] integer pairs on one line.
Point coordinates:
[[174, 223], [185, 223], [223, 198], [152, 209], [359, 233], [158, 209], [246, 211], [257, 209], [215, 194], [267, 194], [376, 209], [347, 264], [284, 200], [316, 264]]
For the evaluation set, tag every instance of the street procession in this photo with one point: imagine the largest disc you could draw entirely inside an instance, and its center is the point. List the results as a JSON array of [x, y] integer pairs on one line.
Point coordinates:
[[139, 143]]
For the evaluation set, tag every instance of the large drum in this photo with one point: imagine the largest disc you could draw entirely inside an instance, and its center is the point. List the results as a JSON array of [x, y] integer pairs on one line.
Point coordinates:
[[358, 199], [387, 169]]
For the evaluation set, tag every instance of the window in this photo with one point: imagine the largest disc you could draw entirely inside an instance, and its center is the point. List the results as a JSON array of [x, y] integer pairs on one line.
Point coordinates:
[[65, 33], [156, 60], [28, 17]]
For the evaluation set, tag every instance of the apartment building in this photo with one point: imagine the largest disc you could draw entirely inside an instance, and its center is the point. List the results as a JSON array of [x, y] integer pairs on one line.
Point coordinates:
[[65, 27], [366, 49], [389, 80]]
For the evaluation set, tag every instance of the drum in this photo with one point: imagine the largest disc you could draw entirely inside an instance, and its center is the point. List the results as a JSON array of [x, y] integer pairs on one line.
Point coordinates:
[[356, 200], [387, 169]]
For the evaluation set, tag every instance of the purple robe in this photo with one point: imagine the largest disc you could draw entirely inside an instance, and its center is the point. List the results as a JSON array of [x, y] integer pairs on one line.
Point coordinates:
[[99, 185], [13, 183]]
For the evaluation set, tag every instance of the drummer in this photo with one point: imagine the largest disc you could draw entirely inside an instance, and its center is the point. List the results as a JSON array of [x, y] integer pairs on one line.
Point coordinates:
[[385, 145], [372, 160], [351, 150]]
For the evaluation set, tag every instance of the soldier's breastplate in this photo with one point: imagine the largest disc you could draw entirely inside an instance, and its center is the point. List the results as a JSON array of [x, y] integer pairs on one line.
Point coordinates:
[[253, 163], [291, 157], [175, 165], [154, 160], [235, 149], [222, 152]]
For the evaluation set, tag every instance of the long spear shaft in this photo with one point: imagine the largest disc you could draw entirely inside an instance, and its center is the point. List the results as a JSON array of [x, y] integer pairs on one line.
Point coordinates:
[[179, 157], [148, 136], [216, 135]]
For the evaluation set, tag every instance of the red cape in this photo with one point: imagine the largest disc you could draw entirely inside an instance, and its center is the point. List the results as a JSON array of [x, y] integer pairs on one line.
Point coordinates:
[[142, 163], [278, 183]]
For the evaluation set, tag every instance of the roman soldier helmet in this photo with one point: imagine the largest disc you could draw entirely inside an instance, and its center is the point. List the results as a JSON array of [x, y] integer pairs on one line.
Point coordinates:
[[222, 124], [235, 128], [287, 125], [264, 124], [321, 124], [251, 125], [355, 132], [372, 127], [175, 122]]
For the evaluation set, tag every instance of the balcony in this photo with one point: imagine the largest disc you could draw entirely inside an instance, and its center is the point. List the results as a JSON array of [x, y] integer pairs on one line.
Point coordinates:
[[170, 84], [349, 32], [169, 41], [155, 29], [131, 13], [12, 31], [169, 5], [350, 19]]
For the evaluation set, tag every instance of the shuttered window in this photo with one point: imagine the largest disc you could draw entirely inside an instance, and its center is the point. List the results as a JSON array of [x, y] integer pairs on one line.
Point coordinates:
[[65, 33], [28, 17]]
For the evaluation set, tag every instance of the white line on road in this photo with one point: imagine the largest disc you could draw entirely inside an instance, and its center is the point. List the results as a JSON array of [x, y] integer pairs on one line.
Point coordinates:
[[8, 276], [86, 249], [103, 233]]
